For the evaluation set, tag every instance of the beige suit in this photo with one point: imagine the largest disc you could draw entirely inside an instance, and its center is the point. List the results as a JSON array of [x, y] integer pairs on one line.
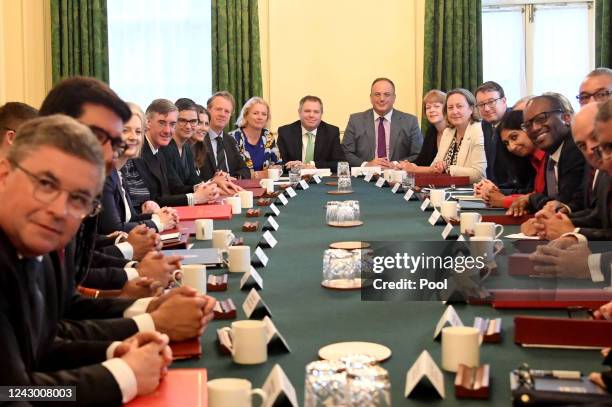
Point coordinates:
[[471, 159]]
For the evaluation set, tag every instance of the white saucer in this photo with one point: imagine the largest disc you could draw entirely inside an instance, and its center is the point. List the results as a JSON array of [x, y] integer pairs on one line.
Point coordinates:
[[337, 350]]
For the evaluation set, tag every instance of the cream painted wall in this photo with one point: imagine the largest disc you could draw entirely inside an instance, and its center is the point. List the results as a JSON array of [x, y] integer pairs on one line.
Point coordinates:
[[25, 51], [334, 49]]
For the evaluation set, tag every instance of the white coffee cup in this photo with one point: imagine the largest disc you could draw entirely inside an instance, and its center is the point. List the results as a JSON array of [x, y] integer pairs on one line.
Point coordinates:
[[460, 345], [468, 221], [239, 259], [234, 201], [194, 276], [274, 173], [232, 392], [398, 175], [222, 238], [268, 184], [437, 196], [449, 210], [488, 229], [485, 246], [246, 199], [249, 345], [204, 229]]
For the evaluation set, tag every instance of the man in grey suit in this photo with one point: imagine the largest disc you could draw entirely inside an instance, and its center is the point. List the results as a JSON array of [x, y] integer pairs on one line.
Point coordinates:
[[381, 136]]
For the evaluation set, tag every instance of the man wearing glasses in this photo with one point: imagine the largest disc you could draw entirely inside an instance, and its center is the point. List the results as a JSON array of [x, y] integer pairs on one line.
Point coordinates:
[[548, 126], [596, 86], [491, 104], [381, 136]]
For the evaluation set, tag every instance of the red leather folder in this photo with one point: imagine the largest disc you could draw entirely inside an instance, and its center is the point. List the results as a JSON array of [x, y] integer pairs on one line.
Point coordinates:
[[519, 264], [181, 243], [505, 219], [440, 180], [218, 212], [191, 348], [548, 298], [248, 183], [184, 226], [562, 332], [180, 387], [257, 192]]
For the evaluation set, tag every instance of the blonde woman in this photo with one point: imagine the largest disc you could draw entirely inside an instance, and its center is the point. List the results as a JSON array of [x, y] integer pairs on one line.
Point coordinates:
[[257, 146]]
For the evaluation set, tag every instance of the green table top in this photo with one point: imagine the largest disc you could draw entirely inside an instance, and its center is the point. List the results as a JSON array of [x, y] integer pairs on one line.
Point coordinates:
[[310, 317]]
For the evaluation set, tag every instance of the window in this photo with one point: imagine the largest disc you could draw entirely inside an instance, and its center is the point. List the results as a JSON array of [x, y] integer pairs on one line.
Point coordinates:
[[160, 49], [544, 46]]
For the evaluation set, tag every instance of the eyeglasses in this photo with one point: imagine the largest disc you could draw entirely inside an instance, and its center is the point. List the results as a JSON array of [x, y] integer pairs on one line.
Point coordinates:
[[599, 96], [117, 144], [539, 119], [47, 190], [490, 104], [192, 123]]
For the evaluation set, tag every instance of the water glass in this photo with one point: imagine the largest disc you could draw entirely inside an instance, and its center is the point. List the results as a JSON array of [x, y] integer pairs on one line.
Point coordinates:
[[338, 264], [368, 386], [331, 211], [344, 183], [345, 212], [294, 176], [356, 209], [343, 169], [407, 180], [325, 384]]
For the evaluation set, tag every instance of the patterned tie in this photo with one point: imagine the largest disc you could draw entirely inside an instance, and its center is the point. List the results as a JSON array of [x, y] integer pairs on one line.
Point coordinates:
[[221, 163], [382, 142], [309, 148], [552, 189]]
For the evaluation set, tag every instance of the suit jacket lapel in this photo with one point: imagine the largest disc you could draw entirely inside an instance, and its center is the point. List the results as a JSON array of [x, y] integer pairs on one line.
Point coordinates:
[[395, 128], [151, 161], [319, 147], [370, 127]]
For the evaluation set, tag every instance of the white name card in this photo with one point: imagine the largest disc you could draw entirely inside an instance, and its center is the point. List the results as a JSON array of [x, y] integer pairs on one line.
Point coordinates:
[[435, 215], [261, 257], [251, 279], [275, 339], [461, 238], [273, 223], [283, 199], [449, 318], [368, 177], [408, 195], [380, 182], [270, 240], [279, 389], [254, 306], [424, 367], [425, 204], [291, 192], [396, 187], [316, 178], [274, 210], [304, 185], [447, 229]]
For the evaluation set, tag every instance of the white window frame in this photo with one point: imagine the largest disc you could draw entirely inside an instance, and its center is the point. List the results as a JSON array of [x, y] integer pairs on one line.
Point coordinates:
[[528, 8]]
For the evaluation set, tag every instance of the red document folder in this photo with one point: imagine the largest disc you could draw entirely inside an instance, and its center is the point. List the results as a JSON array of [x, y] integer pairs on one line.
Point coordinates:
[[548, 298], [181, 387], [440, 180], [562, 332], [248, 183], [218, 212], [191, 348], [505, 219]]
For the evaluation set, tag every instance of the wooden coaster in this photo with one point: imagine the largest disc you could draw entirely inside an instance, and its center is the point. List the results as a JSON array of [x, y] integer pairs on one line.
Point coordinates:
[[332, 183], [346, 224], [349, 245], [334, 192], [342, 284]]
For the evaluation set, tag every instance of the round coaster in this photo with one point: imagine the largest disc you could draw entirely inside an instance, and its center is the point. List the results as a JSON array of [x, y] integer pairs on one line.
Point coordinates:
[[332, 183], [349, 245], [346, 224], [334, 192], [342, 284], [337, 350]]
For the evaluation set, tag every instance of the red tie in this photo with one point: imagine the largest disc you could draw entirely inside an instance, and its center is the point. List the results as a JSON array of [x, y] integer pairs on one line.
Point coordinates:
[[382, 142]]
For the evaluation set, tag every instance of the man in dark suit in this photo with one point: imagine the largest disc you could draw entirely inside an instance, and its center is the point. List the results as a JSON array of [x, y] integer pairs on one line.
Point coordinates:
[[222, 154], [381, 136], [164, 185], [548, 126], [310, 139], [48, 183]]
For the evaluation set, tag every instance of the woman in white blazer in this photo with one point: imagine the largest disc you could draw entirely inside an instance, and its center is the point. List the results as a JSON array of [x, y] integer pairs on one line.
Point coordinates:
[[461, 151]]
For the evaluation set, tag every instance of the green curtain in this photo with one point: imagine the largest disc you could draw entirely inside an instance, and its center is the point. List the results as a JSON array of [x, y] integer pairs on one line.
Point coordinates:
[[79, 39], [453, 45], [603, 33], [235, 49]]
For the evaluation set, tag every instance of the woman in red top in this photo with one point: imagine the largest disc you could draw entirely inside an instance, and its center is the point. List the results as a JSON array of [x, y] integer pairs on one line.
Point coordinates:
[[518, 143]]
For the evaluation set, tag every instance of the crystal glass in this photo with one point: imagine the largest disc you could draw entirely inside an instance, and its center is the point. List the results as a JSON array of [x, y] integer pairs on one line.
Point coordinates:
[[325, 384], [344, 170], [356, 209], [331, 211], [294, 175], [368, 386], [344, 183], [346, 212], [407, 180], [338, 264]]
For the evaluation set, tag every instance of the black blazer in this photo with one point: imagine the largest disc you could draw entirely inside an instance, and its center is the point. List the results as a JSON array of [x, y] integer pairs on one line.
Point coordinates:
[[183, 168], [327, 149], [429, 149], [235, 162], [598, 224], [570, 176], [112, 217], [165, 189]]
